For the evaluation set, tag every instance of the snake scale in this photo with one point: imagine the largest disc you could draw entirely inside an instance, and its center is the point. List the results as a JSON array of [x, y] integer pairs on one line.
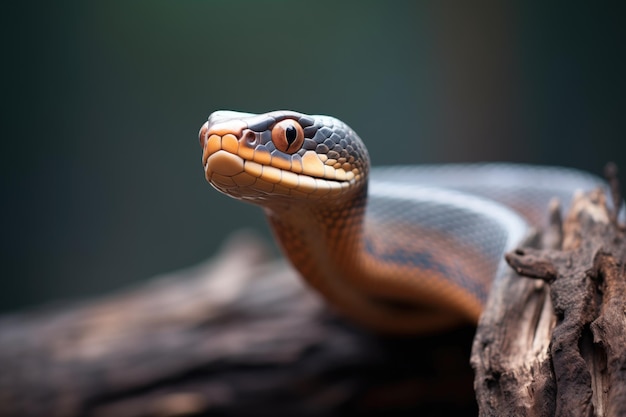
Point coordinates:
[[399, 249]]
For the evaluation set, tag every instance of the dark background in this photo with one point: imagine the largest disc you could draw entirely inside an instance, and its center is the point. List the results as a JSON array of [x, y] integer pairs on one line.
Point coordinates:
[[101, 179]]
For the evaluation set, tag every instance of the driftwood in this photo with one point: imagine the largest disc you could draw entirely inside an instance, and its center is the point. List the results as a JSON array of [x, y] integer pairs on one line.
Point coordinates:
[[556, 345], [240, 335]]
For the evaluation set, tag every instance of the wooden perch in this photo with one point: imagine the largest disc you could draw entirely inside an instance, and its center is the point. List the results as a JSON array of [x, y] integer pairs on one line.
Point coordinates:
[[237, 335], [556, 346]]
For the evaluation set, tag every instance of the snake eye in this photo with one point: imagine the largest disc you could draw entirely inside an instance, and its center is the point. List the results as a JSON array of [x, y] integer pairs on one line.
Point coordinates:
[[287, 136]]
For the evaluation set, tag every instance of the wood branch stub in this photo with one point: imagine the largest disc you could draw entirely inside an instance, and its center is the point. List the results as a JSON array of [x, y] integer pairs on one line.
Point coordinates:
[[576, 365], [532, 263]]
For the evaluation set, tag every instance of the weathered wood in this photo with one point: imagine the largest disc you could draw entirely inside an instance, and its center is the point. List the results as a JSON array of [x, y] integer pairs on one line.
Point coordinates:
[[238, 335], [557, 345]]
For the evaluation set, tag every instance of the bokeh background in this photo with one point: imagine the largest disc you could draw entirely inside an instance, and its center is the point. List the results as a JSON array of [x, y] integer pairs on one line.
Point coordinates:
[[101, 181]]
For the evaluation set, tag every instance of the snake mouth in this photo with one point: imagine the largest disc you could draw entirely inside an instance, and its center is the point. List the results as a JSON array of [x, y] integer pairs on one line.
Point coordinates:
[[246, 179]]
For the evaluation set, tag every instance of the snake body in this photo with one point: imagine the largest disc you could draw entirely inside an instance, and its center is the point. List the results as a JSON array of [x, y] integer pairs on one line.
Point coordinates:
[[399, 249]]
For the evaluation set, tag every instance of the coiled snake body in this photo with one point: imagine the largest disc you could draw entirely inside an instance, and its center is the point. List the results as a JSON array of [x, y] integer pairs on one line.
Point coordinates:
[[400, 249]]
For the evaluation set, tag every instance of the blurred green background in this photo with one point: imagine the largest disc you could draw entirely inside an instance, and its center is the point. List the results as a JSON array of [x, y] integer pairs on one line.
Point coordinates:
[[101, 177]]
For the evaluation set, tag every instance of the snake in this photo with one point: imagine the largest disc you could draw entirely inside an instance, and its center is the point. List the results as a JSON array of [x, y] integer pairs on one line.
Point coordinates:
[[400, 249]]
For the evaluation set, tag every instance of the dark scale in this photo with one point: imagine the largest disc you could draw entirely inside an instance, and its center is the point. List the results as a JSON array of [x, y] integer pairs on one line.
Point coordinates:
[[309, 145], [306, 121], [321, 149], [266, 137], [335, 138], [260, 123], [329, 143], [310, 131], [319, 136], [333, 154], [325, 132]]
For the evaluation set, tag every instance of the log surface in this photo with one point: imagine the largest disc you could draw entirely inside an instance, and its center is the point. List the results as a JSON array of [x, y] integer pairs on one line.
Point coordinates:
[[237, 335]]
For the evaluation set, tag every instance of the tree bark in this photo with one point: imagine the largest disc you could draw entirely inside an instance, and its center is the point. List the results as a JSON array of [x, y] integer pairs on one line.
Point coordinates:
[[555, 345]]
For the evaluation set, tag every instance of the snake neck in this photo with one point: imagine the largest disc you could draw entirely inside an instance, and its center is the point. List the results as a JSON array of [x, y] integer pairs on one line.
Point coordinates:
[[323, 242], [327, 244]]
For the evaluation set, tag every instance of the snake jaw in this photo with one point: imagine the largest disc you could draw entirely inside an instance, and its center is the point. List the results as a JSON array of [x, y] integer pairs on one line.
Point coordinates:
[[248, 180]]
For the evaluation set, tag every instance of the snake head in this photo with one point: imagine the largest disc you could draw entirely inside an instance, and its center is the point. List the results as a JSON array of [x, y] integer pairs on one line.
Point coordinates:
[[282, 156]]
